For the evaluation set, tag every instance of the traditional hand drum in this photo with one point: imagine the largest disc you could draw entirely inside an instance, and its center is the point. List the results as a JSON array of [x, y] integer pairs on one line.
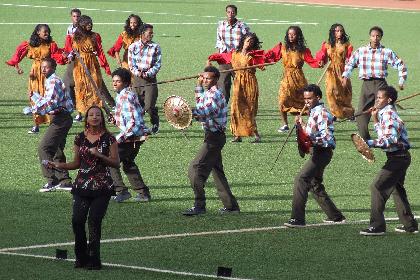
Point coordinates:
[[177, 112], [362, 147]]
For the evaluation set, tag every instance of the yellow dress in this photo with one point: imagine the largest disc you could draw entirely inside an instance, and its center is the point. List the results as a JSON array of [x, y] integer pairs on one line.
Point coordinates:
[[339, 98], [244, 102], [85, 93], [124, 41]]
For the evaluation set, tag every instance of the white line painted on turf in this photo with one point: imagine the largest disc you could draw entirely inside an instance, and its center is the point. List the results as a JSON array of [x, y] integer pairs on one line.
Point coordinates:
[[164, 23], [139, 12], [132, 267], [187, 234]]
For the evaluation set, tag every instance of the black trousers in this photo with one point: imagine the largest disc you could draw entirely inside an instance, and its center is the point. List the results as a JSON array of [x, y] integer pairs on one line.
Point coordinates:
[[148, 97], [128, 152], [366, 101], [93, 210], [225, 80], [52, 146], [390, 180], [310, 180], [209, 159]]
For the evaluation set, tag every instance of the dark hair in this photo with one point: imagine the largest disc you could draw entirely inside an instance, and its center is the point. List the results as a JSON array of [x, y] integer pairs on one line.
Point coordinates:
[[75, 11], [81, 31], [51, 61], [331, 36], [145, 26], [103, 125], [35, 40], [256, 42], [124, 74], [377, 28], [233, 7], [127, 25], [390, 92], [212, 69], [300, 42], [313, 88]]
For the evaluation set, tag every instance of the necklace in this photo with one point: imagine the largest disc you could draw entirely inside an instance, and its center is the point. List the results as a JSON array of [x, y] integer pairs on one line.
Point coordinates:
[[92, 131]]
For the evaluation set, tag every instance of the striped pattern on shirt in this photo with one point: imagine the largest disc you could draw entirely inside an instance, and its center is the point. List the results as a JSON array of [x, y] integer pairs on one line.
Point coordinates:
[[373, 63], [129, 115], [55, 98], [229, 36], [320, 127], [211, 109], [391, 130], [144, 58]]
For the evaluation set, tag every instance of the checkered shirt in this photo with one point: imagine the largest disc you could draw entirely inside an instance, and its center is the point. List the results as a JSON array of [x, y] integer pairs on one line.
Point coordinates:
[[55, 99], [71, 29], [211, 109], [144, 57], [391, 130], [129, 115], [320, 127], [229, 36], [373, 63]]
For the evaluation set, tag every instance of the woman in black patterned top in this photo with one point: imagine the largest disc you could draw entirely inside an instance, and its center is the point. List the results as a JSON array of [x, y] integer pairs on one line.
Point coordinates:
[[95, 150]]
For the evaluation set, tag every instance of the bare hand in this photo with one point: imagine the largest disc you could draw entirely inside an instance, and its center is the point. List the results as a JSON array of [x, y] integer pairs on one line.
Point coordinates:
[[94, 151], [208, 63], [298, 120], [401, 87], [200, 79], [19, 71], [374, 112], [32, 74], [344, 82]]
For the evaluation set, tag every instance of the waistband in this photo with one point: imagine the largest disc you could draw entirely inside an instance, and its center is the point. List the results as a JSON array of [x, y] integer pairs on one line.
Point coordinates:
[[374, 79], [399, 153]]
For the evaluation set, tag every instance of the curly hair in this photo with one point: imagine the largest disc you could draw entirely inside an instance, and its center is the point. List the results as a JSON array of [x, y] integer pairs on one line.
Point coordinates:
[[300, 44], [127, 25], [35, 40], [81, 31], [256, 44], [331, 35]]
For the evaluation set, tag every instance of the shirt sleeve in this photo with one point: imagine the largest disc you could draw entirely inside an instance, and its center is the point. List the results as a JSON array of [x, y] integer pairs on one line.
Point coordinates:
[[387, 130], [321, 55], [116, 47], [101, 56], [309, 59], [398, 64], [129, 115], [57, 54], [220, 44], [49, 102], [274, 54], [221, 58], [131, 57], [351, 64], [19, 54]]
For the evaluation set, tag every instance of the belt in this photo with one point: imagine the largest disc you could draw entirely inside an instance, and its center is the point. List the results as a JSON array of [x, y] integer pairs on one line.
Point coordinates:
[[374, 79], [398, 153]]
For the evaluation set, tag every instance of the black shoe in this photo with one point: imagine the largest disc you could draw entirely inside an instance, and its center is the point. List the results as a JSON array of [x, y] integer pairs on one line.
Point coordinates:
[[94, 266], [225, 210], [403, 229], [80, 264], [155, 128], [236, 140], [293, 223], [372, 231], [193, 211], [340, 220]]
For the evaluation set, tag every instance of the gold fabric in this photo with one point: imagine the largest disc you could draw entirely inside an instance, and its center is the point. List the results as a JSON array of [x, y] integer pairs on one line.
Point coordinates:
[[84, 90], [127, 41], [293, 81], [244, 102], [339, 98]]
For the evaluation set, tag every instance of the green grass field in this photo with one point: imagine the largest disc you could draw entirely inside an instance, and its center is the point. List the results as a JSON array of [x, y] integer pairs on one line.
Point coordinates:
[[187, 36]]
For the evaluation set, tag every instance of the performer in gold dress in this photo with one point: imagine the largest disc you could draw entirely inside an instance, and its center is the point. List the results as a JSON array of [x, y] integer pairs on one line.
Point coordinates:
[[337, 50]]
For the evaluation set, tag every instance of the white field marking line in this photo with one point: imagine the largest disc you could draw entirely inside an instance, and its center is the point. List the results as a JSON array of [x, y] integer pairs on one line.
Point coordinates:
[[132, 267], [165, 23], [187, 234], [332, 6], [140, 12]]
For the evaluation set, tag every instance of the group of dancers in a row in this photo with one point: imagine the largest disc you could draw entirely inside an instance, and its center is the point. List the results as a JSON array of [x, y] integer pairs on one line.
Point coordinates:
[[98, 154]]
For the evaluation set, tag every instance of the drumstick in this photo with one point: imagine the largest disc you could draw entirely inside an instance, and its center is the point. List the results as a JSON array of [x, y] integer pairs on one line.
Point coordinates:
[[196, 76], [287, 138], [370, 109]]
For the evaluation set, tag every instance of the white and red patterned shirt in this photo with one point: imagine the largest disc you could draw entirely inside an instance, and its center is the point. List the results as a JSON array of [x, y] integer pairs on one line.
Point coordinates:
[[229, 36]]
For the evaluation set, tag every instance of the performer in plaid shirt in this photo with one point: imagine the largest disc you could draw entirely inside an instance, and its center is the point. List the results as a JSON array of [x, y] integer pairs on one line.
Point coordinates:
[[129, 119], [372, 61], [392, 139], [57, 103], [211, 111], [320, 130], [144, 61], [229, 34]]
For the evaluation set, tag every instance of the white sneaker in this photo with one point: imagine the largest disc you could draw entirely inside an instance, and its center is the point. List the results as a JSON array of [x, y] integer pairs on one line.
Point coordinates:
[[283, 128], [49, 187]]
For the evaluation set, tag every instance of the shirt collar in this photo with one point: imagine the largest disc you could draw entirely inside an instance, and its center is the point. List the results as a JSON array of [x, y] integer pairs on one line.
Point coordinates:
[[124, 90], [388, 107], [319, 104], [379, 47]]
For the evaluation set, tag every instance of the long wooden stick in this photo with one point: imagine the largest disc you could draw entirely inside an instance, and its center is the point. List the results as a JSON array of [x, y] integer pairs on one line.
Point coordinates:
[[369, 110], [196, 76], [323, 73]]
